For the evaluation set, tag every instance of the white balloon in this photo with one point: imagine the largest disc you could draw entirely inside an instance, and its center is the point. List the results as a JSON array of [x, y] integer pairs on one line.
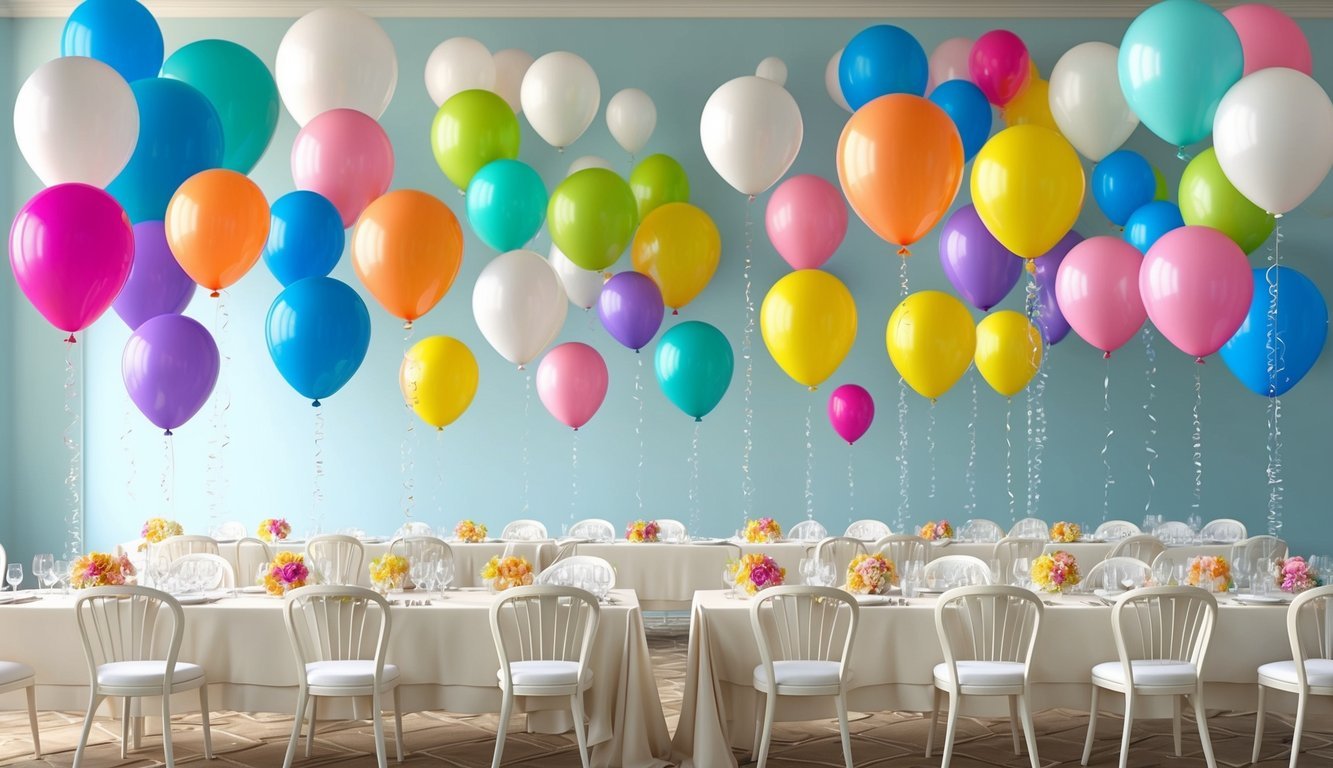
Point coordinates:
[[949, 62], [772, 68], [75, 119], [832, 84], [1273, 134], [459, 64], [581, 285], [751, 130], [334, 58], [519, 305], [560, 96], [511, 65], [631, 116], [1087, 101], [586, 162]]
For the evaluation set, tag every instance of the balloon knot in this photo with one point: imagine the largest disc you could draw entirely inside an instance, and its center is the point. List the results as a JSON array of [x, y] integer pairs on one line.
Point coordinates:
[[811, 388], [407, 326], [636, 351], [214, 295], [902, 251], [167, 433], [698, 418], [522, 367], [560, 150], [750, 198], [1199, 359], [576, 429], [1106, 355], [1030, 266], [1277, 215], [439, 429], [462, 192], [315, 404], [1181, 154], [675, 311], [71, 340]]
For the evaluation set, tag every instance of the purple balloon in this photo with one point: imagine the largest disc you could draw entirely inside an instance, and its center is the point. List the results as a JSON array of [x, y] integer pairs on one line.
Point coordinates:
[[157, 284], [631, 309], [850, 411], [170, 365], [981, 269], [1050, 319]]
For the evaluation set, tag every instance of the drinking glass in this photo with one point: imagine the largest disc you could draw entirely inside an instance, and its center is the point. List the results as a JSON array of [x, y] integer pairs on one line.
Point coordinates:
[[41, 564], [729, 581], [1241, 574], [1022, 571], [416, 571], [910, 578], [62, 575], [807, 568], [14, 576], [995, 572], [261, 573], [444, 574], [1195, 522]]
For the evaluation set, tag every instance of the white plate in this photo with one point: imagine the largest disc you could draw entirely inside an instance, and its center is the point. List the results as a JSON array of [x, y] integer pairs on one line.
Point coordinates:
[[931, 590], [1259, 599], [872, 599], [192, 599], [252, 589], [941, 542], [710, 541], [1088, 540]]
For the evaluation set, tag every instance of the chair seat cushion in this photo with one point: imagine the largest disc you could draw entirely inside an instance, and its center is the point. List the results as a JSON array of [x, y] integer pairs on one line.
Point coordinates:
[[1147, 672], [799, 673], [346, 673], [985, 673], [1318, 672], [137, 673], [14, 671], [543, 673]]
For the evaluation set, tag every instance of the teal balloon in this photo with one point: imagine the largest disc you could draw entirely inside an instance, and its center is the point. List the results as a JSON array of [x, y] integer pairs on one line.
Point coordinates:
[[240, 88], [506, 204], [694, 365], [1273, 350], [119, 33], [318, 331], [1177, 60]]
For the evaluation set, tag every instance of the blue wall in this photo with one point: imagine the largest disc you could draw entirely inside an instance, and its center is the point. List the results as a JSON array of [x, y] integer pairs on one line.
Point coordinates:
[[475, 467]]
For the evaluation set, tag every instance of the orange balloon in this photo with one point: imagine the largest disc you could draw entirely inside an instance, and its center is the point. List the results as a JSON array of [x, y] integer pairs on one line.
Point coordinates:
[[216, 225], [407, 248], [900, 161]]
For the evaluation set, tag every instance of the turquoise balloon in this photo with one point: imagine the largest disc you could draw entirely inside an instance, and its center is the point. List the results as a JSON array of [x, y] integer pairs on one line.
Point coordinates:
[[506, 204], [241, 89], [694, 366], [1176, 62]]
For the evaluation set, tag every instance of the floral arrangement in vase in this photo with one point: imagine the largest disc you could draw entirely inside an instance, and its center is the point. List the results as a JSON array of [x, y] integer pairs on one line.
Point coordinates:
[[158, 529], [1295, 575], [470, 532], [871, 574], [274, 529], [99, 569], [641, 531], [1213, 573], [937, 531], [505, 572], [756, 571], [764, 530], [387, 572], [288, 571], [1055, 572], [1065, 533]]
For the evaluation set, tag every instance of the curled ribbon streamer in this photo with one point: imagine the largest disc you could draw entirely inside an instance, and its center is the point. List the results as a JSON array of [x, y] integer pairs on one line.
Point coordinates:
[[809, 467], [527, 430], [1008, 457], [1198, 440], [1150, 373], [407, 462], [1039, 442], [1276, 350], [169, 476], [904, 495], [317, 473], [131, 471], [930, 449], [74, 451], [694, 479], [851, 487], [216, 478], [747, 349], [638, 431], [1032, 313], [438, 492], [573, 477], [1106, 444], [970, 476]]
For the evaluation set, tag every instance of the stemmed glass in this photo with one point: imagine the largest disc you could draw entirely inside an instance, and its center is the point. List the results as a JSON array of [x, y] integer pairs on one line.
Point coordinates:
[[41, 564], [808, 568], [1022, 571], [417, 572], [14, 576], [827, 573], [729, 581], [444, 574], [1241, 574], [62, 575]]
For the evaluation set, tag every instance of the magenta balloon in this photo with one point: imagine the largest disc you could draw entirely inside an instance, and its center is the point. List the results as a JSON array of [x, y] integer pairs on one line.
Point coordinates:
[[1050, 318], [631, 309], [71, 249], [157, 285], [170, 365], [850, 411], [806, 219], [345, 156], [979, 268], [571, 382], [1197, 287], [999, 65], [1097, 286]]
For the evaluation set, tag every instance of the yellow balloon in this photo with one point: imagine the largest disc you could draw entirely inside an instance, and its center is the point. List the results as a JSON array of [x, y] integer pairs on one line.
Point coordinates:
[[808, 320], [678, 246], [1008, 351], [931, 340], [1032, 106], [1027, 186], [439, 379]]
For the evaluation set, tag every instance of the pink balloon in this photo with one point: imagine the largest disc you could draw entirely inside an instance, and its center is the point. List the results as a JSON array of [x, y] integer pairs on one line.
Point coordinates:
[[850, 411], [1097, 288], [1270, 38], [571, 381], [806, 220], [999, 65], [71, 249], [949, 61], [345, 156], [1197, 287]]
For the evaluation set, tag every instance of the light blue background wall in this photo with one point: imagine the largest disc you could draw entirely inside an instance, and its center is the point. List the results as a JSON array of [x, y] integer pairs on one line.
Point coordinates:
[[475, 468]]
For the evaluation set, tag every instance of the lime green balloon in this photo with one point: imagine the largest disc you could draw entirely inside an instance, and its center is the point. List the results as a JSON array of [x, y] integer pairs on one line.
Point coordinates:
[[471, 129], [1208, 198], [592, 216], [240, 87], [658, 180], [1160, 193]]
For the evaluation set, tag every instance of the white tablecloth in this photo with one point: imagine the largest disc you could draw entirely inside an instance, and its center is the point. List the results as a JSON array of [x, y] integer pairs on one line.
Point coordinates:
[[1087, 553]]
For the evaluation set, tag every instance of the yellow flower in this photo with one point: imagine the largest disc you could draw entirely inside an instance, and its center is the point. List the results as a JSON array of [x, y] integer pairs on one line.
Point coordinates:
[[1065, 533], [511, 571], [158, 529], [871, 574], [287, 571], [762, 530], [388, 571], [470, 532]]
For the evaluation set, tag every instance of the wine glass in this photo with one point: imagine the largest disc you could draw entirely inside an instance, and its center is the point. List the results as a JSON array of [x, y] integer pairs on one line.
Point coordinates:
[[62, 575], [1241, 572], [1022, 571], [261, 573], [14, 576], [444, 572], [417, 571], [729, 581], [41, 564], [807, 568]]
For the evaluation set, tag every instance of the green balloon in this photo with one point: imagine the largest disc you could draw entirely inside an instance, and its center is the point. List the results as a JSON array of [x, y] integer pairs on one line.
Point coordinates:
[[658, 180], [473, 128], [240, 88], [1208, 198], [592, 218]]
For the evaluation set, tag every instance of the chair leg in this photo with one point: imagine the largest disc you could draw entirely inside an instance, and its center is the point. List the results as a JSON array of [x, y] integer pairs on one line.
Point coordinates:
[[843, 729], [301, 700], [32, 720], [1302, 699], [580, 735], [1259, 726], [125, 727], [1201, 717], [766, 741], [168, 753], [208, 729], [136, 732], [1029, 731], [934, 718], [93, 702], [758, 725], [1175, 721], [310, 728], [398, 726], [1129, 728], [502, 727], [951, 727], [377, 721], [1092, 726], [1013, 723]]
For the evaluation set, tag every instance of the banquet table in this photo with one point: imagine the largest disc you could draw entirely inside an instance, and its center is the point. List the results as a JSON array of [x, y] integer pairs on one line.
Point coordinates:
[[444, 652], [1087, 553]]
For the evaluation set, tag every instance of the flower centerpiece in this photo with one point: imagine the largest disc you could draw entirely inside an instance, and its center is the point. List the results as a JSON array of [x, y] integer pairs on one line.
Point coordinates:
[[1065, 533], [470, 532], [505, 572], [765, 530], [387, 572], [937, 531], [1295, 575], [756, 571], [158, 529], [288, 571], [1213, 573], [1055, 572], [871, 574], [99, 569], [640, 531], [274, 529]]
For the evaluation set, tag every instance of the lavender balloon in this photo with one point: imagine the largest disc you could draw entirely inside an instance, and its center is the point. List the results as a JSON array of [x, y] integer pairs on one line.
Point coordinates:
[[979, 268], [1049, 318], [170, 365], [157, 285], [631, 309]]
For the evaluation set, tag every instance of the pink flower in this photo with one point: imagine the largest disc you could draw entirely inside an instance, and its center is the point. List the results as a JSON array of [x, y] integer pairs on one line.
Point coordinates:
[[292, 572], [764, 574]]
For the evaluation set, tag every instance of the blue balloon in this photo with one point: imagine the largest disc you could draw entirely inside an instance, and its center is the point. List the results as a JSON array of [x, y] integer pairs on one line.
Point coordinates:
[[970, 111], [1295, 335], [305, 238], [120, 33], [179, 135], [694, 365], [1123, 182], [1151, 222], [506, 204], [318, 332], [880, 60]]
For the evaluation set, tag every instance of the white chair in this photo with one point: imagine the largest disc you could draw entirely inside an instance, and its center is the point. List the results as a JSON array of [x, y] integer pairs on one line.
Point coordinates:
[[1030, 528], [121, 628], [1115, 530], [209, 572], [543, 636], [953, 571], [1143, 546], [335, 557], [231, 530], [16, 676], [1167, 561], [1111, 573], [805, 639], [1223, 529], [903, 548], [340, 635], [429, 551], [1257, 552], [173, 547], [672, 531], [1310, 673], [1161, 636], [867, 530], [524, 530], [592, 529], [839, 550], [4, 560], [807, 530], [987, 634], [250, 554], [982, 531], [1009, 549], [413, 528], [1174, 532], [589, 573]]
